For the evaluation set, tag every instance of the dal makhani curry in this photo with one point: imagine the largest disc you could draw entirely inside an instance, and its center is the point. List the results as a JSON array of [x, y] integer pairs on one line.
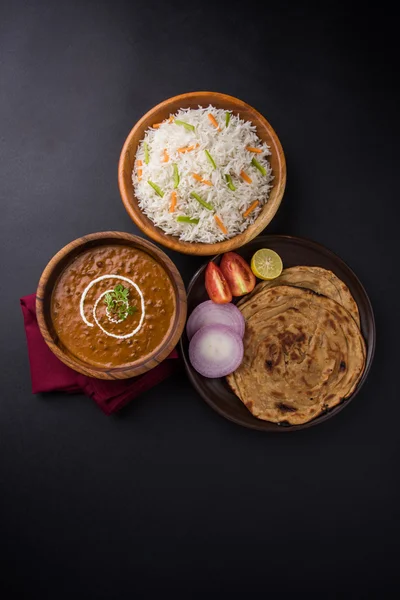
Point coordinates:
[[112, 306]]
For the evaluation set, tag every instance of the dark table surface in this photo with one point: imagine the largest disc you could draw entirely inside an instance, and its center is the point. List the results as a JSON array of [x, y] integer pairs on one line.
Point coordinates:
[[169, 495]]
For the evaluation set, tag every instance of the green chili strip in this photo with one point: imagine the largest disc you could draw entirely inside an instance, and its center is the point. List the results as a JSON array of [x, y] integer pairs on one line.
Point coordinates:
[[210, 159], [227, 118], [184, 124], [156, 188], [187, 220], [201, 201], [258, 166], [176, 176], [230, 183], [146, 153]]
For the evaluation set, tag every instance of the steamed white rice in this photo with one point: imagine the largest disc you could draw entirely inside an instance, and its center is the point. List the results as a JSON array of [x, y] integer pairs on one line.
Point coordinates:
[[228, 149]]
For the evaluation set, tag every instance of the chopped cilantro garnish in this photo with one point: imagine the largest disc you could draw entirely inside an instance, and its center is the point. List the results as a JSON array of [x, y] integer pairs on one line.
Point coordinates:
[[117, 302]]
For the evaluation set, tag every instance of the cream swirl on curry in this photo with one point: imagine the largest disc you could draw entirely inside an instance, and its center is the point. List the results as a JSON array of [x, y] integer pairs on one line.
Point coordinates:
[[108, 311]]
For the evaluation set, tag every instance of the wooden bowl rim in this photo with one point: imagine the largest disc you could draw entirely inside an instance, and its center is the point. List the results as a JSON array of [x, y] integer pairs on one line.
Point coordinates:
[[166, 346], [199, 248]]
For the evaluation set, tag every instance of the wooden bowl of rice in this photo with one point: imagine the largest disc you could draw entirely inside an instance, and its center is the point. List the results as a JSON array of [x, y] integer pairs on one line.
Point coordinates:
[[162, 112]]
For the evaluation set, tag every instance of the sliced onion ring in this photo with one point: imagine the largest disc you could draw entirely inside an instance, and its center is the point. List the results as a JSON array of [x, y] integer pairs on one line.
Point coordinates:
[[209, 313], [215, 351]]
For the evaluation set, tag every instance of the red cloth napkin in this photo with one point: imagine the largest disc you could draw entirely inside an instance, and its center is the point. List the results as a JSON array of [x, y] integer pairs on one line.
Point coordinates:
[[49, 374]]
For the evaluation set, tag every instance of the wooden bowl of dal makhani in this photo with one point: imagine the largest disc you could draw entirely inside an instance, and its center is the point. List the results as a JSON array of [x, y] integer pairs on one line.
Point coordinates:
[[111, 305], [202, 173]]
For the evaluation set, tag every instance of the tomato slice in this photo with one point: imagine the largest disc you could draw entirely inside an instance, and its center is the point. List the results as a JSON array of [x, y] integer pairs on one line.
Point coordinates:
[[216, 285], [238, 274]]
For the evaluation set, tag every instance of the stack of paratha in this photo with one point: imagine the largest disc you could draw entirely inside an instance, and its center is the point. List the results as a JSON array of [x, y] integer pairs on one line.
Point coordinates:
[[303, 349]]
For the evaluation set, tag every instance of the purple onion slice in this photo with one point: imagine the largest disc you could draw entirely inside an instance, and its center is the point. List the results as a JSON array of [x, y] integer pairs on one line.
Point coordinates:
[[209, 313], [215, 351]]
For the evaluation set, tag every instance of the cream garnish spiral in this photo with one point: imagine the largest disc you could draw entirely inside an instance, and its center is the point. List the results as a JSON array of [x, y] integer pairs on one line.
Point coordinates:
[[82, 306]]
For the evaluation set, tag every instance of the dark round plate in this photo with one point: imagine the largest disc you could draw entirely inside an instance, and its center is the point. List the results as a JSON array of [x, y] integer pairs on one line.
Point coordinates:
[[293, 251]]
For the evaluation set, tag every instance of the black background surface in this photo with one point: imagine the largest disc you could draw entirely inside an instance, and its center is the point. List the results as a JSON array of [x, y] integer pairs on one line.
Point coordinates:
[[168, 495]]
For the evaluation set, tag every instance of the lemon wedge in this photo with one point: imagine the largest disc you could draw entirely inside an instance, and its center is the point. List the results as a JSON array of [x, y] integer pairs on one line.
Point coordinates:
[[266, 264]]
